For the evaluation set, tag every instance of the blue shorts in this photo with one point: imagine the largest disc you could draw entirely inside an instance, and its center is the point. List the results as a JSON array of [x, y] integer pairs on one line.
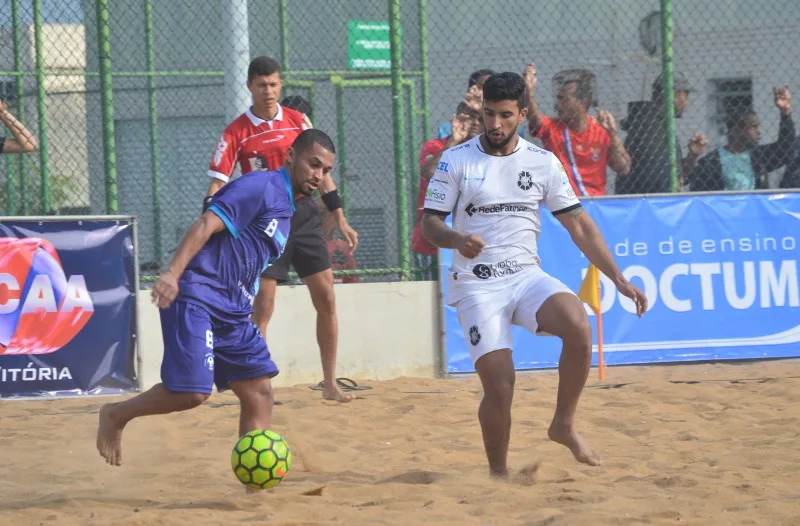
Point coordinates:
[[200, 351]]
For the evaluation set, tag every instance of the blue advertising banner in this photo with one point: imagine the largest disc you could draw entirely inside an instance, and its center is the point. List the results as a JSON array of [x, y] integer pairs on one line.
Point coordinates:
[[719, 272], [67, 306]]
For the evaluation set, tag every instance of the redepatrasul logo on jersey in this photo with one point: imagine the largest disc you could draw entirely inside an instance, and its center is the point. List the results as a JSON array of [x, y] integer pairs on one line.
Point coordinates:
[[41, 309]]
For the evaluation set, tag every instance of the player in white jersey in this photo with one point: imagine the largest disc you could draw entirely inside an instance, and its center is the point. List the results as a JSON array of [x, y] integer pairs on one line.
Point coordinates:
[[495, 185]]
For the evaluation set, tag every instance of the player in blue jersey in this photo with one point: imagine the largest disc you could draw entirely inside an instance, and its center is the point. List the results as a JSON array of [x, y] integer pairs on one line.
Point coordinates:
[[205, 297]]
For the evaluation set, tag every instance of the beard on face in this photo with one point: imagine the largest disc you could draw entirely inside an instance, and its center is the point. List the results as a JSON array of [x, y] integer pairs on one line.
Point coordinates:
[[498, 145]]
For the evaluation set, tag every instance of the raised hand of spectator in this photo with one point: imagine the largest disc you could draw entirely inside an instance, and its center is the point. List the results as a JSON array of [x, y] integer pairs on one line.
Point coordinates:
[[783, 99], [474, 98], [606, 120], [697, 145], [461, 126], [530, 77]]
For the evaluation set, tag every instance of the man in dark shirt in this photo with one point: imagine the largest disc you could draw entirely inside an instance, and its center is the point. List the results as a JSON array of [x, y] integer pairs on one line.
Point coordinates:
[[646, 142], [743, 164]]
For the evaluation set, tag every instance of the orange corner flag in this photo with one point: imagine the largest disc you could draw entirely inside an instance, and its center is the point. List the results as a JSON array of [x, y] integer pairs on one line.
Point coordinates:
[[589, 293]]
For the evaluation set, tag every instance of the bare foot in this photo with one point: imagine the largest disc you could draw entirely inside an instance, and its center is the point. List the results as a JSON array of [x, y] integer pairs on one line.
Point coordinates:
[[336, 394], [109, 436], [567, 436], [499, 474]]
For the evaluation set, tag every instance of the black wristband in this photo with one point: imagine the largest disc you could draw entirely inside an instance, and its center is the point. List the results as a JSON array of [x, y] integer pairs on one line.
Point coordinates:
[[332, 200], [206, 202]]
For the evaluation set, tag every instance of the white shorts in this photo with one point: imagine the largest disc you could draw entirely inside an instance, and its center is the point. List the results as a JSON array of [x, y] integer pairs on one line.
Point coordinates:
[[487, 318]]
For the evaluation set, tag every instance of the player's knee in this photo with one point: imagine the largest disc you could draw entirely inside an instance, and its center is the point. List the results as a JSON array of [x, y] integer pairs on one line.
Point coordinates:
[[255, 393], [580, 330], [499, 390], [192, 400], [324, 300]]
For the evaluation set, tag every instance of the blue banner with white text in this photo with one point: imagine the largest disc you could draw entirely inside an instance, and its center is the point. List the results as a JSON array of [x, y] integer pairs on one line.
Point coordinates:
[[719, 272], [67, 307]]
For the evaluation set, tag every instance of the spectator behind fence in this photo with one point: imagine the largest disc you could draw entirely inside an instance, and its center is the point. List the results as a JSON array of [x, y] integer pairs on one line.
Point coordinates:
[[23, 140], [465, 124], [585, 145], [473, 97], [646, 142], [742, 164], [791, 177]]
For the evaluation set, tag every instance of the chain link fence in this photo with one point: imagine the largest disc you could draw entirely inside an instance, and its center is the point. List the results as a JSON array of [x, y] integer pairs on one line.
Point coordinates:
[[128, 100]]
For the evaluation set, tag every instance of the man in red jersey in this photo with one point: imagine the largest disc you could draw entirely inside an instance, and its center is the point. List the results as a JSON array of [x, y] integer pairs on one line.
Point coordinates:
[[585, 145], [258, 140], [465, 125]]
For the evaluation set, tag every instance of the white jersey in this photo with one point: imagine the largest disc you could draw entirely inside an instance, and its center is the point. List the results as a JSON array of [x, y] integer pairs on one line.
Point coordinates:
[[498, 198]]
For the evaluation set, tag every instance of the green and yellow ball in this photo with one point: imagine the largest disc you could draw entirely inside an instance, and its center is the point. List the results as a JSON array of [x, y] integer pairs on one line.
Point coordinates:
[[261, 459]]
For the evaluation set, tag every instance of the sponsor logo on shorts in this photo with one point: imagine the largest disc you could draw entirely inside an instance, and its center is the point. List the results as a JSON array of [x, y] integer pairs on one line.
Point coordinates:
[[525, 180], [209, 361], [471, 209], [497, 270], [474, 335]]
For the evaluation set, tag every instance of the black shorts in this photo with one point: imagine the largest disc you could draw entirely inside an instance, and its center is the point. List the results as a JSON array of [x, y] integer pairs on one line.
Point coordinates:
[[306, 249]]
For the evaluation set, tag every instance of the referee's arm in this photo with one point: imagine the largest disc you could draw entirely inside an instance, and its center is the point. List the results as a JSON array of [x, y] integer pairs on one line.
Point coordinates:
[[214, 187]]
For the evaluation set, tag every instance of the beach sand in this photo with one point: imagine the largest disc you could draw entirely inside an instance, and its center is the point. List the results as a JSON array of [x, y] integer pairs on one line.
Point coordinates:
[[689, 444]]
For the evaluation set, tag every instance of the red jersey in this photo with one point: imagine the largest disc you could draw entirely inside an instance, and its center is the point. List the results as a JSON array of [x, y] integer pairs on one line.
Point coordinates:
[[255, 143], [584, 155], [419, 244]]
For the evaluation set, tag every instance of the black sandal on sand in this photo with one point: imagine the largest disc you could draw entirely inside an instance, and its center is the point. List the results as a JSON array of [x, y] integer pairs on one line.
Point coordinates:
[[346, 384]]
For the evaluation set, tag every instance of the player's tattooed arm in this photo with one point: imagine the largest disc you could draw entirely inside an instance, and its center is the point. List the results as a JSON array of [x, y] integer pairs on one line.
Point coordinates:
[[590, 241]]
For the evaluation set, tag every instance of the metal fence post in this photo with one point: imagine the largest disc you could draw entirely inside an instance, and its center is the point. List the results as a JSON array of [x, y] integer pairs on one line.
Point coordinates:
[[667, 88], [423, 51], [153, 114], [41, 106], [284, 22], [107, 105], [401, 186], [341, 147], [19, 162]]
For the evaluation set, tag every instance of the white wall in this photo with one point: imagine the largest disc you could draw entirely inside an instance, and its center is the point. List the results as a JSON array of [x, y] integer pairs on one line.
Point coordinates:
[[386, 330]]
